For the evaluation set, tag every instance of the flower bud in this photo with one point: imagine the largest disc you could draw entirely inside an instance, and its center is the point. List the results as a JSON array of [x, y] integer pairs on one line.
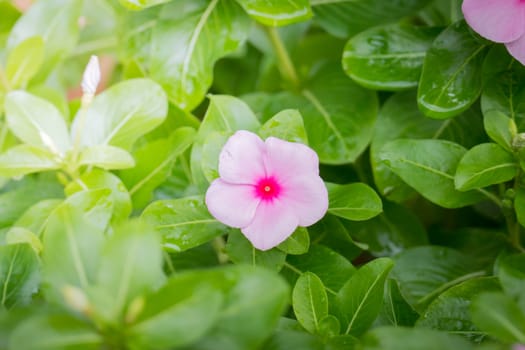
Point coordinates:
[[91, 77]]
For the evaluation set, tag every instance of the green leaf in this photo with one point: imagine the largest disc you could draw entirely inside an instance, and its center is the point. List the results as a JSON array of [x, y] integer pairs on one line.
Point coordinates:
[[345, 18], [388, 57], [37, 122], [106, 157], [57, 22], [450, 311], [519, 206], [224, 114], [99, 179], [71, 256], [310, 302], [176, 315], [183, 223], [332, 268], [17, 235], [484, 165], [154, 161], [141, 4], [26, 159], [121, 114], [500, 128], [511, 274], [499, 315], [96, 206], [361, 298], [210, 154], [19, 275], [55, 332], [423, 273], [355, 201], [24, 61], [395, 311], [287, 125], [130, 265], [277, 12], [451, 79], [429, 167], [297, 244], [397, 338], [241, 251], [186, 44]]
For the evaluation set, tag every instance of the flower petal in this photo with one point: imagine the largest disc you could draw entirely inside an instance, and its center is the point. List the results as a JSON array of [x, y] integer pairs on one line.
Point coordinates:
[[288, 159], [501, 21], [308, 196], [91, 76], [231, 204], [517, 49], [241, 158], [272, 224]]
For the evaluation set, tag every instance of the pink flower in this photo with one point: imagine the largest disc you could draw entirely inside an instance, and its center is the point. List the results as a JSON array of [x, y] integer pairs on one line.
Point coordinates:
[[267, 188], [502, 21]]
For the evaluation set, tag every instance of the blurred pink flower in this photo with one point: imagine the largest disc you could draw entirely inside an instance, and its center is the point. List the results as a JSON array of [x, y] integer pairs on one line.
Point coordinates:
[[518, 347], [267, 188], [502, 21]]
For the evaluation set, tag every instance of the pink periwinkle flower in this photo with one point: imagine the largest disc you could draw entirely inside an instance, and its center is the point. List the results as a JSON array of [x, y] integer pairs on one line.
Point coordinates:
[[518, 347], [502, 21], [267, 188]]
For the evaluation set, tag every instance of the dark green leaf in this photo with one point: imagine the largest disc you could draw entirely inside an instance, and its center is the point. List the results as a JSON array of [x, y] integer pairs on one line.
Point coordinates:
[[310, 302], [241, 251]]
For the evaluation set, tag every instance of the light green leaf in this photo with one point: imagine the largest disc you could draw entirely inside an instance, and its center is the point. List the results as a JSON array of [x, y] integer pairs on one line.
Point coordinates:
[[55, 332], [499, 315], [106, 157], [17, 235], [298, 243], [310, 302], [388, 57], [211, 151], [287, 125], [423, 273], [451, 80], [141, 4], [26, 159], [154, 163], [36, 122], [277, 12], [241, 251], [19, 275], [183, 223], [361, 298], [484, 165], [56, 21], [500, 128], [24, 61], [122, 113], [355, 201], [429, 167]]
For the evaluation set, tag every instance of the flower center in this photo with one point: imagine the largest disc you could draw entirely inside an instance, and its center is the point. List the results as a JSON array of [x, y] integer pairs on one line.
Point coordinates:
[[267, 188]]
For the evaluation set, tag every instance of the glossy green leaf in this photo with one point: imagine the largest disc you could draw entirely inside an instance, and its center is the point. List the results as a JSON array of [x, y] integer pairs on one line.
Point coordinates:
[[24, 61], [423, 273], [99, 179], [511, 274], [388, 57], [397, 338], [57, 22], [395, 311], [121, 114], [224, 114], [106, 157], [26, 159], [36, 122], [19, 275], [154, 162], [55, 332], [355, 201], [450, 311], [499, 315], [241, 251], [211, 151], [298, 243], [277, 12], [429, 167], [451, 79], [141, 4], [500, 128], [332, 232], [361, 298], [345, 18], [130, 265], [287, 125], [183, 223], [310, 302], [484, 165], [186, 44]]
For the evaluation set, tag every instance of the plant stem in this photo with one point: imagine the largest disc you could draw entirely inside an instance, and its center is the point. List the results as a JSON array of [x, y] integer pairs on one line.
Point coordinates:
[[285, 63]]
